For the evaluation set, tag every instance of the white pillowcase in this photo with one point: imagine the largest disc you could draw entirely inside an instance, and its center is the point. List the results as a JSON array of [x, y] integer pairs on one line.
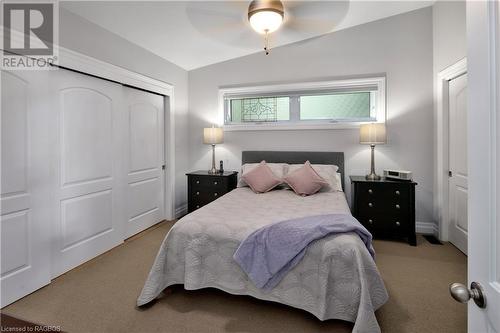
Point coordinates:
[[278, 169], [327, 172], [339, 182]]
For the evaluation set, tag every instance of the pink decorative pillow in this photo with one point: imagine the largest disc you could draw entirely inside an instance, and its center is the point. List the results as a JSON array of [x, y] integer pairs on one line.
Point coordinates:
[[261, 178], [305, 181]]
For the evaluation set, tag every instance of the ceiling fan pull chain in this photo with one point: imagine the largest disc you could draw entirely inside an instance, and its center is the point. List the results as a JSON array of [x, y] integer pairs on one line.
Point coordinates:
[[266, 43]]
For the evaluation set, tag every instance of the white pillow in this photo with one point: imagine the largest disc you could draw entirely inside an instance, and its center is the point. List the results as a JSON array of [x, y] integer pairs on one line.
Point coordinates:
[[278, 169], [339, 182], [326, 171]]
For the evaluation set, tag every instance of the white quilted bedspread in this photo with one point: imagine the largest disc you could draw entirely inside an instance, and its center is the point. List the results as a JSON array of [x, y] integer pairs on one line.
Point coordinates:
[[336, 279]]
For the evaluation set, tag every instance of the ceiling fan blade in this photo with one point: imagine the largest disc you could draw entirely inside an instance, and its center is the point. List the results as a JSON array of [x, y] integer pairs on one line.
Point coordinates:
[[314, 16], [216, 10], [224, 22], [305, 26]]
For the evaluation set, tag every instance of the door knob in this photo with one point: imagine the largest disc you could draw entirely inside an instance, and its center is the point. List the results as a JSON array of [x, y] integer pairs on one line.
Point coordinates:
[[461, 294]]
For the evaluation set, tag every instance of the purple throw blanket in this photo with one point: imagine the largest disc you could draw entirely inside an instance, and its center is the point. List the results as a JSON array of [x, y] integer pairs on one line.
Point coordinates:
[[270, 252]]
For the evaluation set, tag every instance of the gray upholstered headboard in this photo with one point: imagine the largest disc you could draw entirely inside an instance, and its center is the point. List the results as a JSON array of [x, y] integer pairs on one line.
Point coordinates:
[[296, 157]]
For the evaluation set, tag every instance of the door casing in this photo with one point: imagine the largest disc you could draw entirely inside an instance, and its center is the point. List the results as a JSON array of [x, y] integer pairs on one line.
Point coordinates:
[[443, 147]]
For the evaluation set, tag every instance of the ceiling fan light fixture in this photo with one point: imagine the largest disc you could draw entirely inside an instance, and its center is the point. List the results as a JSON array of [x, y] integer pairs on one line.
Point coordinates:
[[266, 16]]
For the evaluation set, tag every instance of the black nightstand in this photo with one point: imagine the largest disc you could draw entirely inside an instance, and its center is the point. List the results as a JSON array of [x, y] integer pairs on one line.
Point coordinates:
[[385, 207], [204, 188]]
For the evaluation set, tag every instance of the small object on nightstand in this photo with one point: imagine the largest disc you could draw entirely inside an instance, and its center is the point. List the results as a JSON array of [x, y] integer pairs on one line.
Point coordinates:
[[204, 187], [386, 207], [398, 174], [221, 169]]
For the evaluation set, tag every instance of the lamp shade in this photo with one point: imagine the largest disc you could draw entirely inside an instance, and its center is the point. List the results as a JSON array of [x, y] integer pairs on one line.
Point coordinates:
[[372, 134], [213, 135]]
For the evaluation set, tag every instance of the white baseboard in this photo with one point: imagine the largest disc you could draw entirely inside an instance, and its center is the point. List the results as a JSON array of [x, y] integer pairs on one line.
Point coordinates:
[[181, 211], [428, 228]]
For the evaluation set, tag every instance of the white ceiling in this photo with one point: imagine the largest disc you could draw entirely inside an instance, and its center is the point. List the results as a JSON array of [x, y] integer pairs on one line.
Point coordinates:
[[193, 34]]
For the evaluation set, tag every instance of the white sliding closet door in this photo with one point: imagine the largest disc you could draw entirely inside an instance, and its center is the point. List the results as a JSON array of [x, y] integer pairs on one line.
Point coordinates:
[[88, 125], [145, 160], [81, 170], [25, 202]]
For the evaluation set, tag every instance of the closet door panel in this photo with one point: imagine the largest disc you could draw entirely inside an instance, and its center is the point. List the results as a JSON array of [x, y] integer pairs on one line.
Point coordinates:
[[16, 245], [15, 96], [144, 128], [85, 217], [89, 190], [145, 175], [24, 216], [86, 136], [145, 195]]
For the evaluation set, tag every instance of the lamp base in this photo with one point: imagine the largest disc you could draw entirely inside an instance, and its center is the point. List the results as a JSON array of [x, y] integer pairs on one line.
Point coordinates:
[[373, 176], [213, 170]]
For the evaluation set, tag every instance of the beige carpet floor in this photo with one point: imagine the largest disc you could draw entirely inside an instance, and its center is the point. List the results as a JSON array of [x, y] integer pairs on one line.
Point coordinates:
[[100, 295]]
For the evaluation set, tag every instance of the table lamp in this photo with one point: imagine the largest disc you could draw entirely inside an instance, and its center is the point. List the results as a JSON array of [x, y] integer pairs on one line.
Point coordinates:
[[212, 136], [372, 134]]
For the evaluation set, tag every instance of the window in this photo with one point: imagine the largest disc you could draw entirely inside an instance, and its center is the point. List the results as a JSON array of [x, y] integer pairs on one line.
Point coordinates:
[[332, 104], [244, 110]]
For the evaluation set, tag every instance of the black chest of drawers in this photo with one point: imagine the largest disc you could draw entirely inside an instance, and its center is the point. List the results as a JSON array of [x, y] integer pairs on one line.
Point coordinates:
[[204, 188], [385, 207]]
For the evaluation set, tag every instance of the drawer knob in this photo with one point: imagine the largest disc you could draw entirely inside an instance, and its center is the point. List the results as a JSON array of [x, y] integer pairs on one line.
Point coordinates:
[[370, 221], [216, 194], [370, 191], [398, 206], [197, 182], [370, 204], [215, 183], [398, 193], [397, 223], [197, 206], [197, 193]]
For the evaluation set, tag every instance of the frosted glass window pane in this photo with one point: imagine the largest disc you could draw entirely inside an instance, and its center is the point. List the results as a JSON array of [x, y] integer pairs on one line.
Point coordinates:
[[263, 109], [335, 106]]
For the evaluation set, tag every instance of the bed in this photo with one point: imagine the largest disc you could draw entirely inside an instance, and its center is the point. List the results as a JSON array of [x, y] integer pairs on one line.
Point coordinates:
[[336, 279]]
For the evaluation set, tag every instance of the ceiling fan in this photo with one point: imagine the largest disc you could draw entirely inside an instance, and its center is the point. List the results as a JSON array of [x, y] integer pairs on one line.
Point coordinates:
[[231, 22]]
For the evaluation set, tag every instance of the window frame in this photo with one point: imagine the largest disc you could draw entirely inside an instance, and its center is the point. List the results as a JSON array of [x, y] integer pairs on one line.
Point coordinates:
[[294, 90]]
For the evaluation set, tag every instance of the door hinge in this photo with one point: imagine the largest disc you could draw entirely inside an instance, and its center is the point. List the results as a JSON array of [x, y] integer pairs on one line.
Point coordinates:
[[450, 174]]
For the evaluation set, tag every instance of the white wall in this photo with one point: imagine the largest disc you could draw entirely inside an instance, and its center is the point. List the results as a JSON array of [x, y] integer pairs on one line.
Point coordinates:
[[399, 47], [449, 39], [82, 36]]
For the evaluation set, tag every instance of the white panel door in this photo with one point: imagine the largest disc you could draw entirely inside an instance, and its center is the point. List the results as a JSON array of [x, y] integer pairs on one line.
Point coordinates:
[[88, 124], [25, 213], [457, 106], [145, 160]]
